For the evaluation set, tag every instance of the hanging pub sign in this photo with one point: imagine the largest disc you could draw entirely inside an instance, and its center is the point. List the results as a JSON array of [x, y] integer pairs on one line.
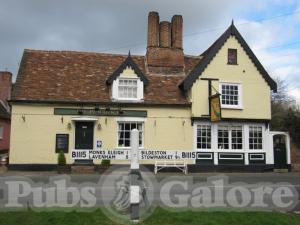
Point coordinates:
[[215, 108]]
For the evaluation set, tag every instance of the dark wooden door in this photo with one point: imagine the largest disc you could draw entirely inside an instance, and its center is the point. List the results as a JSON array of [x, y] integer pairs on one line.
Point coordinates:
[[280, 160], [84, 135]]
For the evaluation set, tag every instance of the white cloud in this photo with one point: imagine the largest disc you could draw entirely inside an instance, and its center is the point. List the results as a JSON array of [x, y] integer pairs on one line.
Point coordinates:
[[268, 40]]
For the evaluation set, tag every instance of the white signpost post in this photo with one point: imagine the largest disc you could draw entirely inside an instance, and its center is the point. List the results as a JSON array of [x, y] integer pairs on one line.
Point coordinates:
[[135, 176]]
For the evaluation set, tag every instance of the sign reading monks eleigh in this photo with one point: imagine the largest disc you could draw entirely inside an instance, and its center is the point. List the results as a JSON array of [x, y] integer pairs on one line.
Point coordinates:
[[215, 108], [143, 154]]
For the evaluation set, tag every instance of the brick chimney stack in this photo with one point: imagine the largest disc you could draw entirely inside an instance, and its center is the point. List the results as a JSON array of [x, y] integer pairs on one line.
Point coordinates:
[[153, 29], [5, 87], [164, 49], [165, 34], [177, 23]]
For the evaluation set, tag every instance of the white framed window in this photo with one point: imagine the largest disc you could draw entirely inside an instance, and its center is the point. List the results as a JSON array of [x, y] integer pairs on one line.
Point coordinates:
[[237, 137], [1, 131], [230, 137], [124, 129], [128, 89], [223, 137], [204, 137], [231, 95], [255, 137]]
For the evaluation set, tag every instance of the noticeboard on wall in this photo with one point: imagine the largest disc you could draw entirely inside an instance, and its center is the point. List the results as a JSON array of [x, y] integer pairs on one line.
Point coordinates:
[[62, 143]]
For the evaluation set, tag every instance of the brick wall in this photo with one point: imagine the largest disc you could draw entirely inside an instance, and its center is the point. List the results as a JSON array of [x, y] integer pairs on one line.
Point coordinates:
[[5, 87], [295, 154], [164, 50]]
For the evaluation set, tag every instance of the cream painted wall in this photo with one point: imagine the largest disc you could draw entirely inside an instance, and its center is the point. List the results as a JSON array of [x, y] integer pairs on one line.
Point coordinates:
[[128, 73], [33, 140], [256, 94]]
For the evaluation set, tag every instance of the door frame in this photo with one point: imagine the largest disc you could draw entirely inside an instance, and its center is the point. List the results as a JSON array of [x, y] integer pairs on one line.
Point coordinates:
[[92, 127], [83, 119], [287, 145]]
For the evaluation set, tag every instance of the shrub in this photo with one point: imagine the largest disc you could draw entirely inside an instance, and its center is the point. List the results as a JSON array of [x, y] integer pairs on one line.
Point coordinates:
[[105, 163], [61, 159]]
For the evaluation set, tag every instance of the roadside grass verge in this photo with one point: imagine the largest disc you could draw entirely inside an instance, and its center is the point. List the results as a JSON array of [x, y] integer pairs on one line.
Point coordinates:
[[159, 217]]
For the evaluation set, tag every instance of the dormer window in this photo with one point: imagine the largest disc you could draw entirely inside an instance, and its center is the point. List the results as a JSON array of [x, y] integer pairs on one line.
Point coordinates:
[[127, 82], [127, 89]]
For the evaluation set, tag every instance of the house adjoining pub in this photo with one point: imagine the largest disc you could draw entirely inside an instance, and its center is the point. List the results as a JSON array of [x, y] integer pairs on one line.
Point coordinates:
[[217, 104]]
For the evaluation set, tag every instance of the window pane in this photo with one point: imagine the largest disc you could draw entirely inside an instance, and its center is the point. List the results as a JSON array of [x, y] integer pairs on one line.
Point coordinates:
[[255, 137], [127, 88], [230, 94], [223, 137], [203, 136], [124, 133], [232, 56], [236, 137]]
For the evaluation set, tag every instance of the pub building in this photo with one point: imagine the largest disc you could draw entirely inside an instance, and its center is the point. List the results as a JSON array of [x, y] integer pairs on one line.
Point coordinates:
[[217, 104]]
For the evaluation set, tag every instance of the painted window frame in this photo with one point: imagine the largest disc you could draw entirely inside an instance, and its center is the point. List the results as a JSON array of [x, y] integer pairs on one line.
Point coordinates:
[[206, 137], [262, 138], [140, 89], [236, 56], [130, 120], [230, 138], [240, 95]]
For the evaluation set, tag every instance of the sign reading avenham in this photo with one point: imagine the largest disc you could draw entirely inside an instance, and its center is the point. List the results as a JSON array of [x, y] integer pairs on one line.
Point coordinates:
[[143, 154], [99, 112]]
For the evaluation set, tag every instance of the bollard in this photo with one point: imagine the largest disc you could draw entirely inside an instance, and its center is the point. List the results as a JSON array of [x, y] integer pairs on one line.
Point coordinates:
[[134, 176]]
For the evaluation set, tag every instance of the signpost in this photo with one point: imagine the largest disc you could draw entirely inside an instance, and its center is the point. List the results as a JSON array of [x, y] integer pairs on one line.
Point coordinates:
[[135, 176], [148, 154]]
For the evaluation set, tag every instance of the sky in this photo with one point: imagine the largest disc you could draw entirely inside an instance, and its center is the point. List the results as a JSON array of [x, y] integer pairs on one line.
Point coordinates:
[[270, 27]]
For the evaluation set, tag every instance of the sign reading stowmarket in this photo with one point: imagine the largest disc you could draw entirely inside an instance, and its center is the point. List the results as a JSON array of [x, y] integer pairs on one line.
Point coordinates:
[[143, 154]]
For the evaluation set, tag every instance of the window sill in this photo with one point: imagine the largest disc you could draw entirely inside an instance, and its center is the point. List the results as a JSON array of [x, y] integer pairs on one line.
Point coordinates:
[[233, 64], [127, 100], [127, 148], [231, 107]]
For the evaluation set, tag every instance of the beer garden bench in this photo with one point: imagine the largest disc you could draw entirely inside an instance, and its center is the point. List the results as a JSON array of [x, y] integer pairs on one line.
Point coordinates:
[[179, 164]]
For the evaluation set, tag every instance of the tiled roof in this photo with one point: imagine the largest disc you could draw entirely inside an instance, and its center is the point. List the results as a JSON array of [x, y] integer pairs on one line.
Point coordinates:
[[60, 76]]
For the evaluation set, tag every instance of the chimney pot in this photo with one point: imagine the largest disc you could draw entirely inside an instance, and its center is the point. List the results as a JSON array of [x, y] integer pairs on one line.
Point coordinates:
[[165, 34], [153, 29], [177, 22]]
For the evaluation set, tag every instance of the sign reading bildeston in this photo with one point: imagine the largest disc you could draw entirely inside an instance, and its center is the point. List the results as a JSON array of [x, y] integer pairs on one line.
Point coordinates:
[[143, 154], [215, 108]]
